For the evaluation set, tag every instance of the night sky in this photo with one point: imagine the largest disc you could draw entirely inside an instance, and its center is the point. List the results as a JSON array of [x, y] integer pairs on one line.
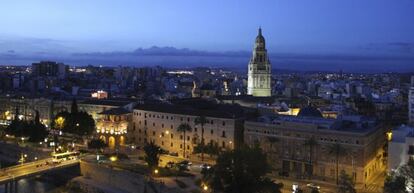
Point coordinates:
[[361, 27]]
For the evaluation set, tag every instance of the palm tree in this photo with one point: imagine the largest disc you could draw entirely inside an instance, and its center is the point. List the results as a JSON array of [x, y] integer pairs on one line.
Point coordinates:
[[152, 155], [183, 128], [201, 120], [311, 143], [338, 151]]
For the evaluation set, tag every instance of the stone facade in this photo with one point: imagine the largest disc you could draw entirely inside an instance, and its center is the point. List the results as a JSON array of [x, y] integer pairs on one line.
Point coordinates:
[[283, 139], [160, 126], [259, 70]]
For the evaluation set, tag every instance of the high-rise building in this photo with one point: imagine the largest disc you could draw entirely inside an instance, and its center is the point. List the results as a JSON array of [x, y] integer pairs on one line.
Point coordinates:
[[411, 102], [259, 72], [49, 69]]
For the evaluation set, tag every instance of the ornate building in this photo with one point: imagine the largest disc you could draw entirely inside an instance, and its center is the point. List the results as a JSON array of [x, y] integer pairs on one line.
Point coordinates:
[[304, 146], [259, 72], [112, 126]]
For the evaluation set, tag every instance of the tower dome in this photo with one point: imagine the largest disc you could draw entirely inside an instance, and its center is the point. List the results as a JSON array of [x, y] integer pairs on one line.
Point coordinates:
[[260, 40]]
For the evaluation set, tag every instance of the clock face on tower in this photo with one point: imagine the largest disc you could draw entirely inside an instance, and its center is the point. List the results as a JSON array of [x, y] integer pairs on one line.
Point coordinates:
[[259, 70]]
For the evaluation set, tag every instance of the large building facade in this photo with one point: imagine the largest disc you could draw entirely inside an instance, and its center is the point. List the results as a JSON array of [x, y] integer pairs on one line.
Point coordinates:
[[284, 139], [112, 126], [158, 123], [400, 147], [259, 70]]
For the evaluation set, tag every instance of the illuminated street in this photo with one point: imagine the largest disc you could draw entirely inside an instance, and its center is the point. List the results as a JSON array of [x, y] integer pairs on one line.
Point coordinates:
[[33, 168]]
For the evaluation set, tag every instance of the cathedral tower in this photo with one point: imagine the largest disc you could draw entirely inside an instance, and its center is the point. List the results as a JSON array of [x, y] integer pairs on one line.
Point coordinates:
[[259, 72]]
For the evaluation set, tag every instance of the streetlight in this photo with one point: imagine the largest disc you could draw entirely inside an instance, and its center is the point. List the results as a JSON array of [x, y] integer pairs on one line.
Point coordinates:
[[156, 171], [205, 187], [113, 158]]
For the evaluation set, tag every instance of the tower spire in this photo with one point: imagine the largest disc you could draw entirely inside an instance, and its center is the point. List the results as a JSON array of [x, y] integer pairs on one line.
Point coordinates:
[[260, 30]]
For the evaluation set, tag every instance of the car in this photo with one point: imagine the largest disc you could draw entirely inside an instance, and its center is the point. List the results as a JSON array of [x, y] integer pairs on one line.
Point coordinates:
[[295, 186], [173, 154], [185, 162], [206, 166], [313, 186]]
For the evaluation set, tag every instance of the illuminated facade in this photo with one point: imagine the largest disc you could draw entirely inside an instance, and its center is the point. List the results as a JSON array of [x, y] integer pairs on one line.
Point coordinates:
[[283, 139], [259, 70], [26, 108], [100, 94], [159, 123], [112, 126], [400, 147]]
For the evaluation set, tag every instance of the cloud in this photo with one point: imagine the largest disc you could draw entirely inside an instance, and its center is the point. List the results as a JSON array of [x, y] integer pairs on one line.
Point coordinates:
[[391, 48]]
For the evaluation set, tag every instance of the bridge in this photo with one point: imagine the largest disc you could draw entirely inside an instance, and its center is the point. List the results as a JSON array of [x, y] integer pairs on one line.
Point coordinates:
[[9, 176]]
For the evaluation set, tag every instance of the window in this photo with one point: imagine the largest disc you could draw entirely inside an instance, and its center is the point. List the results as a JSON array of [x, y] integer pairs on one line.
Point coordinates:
[[188, 119], [162, 143], [162, 125], [172, 144], [223, 134], [224, 123], [153, 133], [223, 144], [212, 132], [181, 137], [188, 138], [153, 124], [195, 129], [172, 136]]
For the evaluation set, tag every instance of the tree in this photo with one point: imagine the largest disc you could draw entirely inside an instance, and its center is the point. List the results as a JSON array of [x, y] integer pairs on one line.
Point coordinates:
[[211, 149], [37, 132], [201, 120], [34, 130], [79, 123], [184, 128], [395, 183], [346, 184], [269, 186], [311, 143], [402, 180], [97, 144], [243, 170], [314, 190], [152, 154], [338, 151], [74, 107]]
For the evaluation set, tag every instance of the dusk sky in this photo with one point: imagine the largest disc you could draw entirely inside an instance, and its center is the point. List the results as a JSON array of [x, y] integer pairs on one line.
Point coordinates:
[[316, 26]]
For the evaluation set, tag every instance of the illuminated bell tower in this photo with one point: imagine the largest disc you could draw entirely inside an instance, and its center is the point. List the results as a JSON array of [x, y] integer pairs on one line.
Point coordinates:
[[259, 72]]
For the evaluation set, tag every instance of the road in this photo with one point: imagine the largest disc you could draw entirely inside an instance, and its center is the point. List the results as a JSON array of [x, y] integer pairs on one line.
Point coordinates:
[[32, 168]]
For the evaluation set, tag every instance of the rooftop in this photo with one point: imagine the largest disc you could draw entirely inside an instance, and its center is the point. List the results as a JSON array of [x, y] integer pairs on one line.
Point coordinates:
[[195, 107], [354, 124], [115, 111], [108, 102]]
